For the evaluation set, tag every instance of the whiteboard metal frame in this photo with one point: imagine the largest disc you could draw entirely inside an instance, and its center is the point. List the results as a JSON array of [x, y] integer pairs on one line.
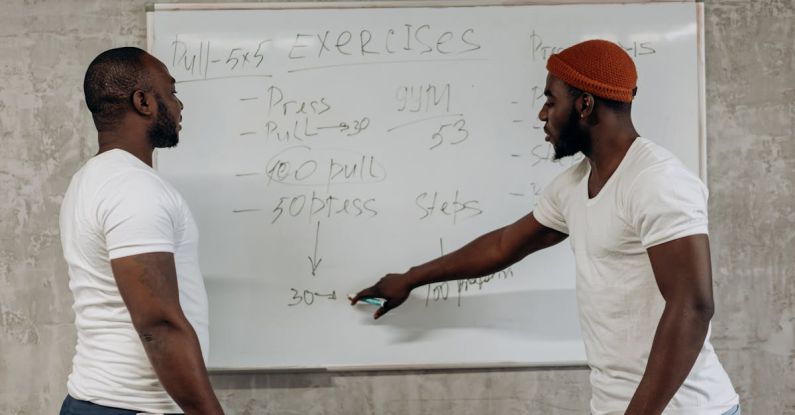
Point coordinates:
[[368, 4], [702, 92], [574, 365]]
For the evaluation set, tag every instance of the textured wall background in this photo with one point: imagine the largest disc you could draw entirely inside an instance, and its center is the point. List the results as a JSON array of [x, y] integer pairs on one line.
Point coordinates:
[[46, 132]]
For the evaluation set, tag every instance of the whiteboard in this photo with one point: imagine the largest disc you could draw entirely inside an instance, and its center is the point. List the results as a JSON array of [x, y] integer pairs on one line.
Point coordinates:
[[325, 147]]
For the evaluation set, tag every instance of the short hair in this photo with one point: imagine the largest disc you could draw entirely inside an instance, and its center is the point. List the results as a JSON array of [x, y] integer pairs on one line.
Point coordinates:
[[110, 80], [617, 106]]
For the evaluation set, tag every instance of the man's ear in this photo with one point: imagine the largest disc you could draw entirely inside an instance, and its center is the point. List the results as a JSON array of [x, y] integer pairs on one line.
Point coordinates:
[[143, 102], [586, 105]]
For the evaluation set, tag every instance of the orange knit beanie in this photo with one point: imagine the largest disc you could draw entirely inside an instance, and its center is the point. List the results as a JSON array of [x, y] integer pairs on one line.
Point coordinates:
[[598, 67]]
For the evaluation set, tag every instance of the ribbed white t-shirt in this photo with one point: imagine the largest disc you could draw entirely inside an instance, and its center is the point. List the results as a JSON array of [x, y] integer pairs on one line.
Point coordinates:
[[650, 199], [117, 206]]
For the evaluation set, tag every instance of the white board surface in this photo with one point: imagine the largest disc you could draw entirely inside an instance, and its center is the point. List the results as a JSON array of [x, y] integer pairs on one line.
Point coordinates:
[[324, 148]]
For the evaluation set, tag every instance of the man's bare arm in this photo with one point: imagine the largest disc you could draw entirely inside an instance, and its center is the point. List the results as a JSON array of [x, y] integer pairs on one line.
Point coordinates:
[[148, 285], [683, 272], [488, 253]]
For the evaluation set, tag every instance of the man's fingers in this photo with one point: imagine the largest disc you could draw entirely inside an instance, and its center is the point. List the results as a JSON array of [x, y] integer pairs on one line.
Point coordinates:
[[380, 312], [365, 293], [388, 305]]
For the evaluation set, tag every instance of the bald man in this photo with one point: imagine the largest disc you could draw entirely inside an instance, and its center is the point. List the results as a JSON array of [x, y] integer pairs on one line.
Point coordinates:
[[131, 246], [638, 225]]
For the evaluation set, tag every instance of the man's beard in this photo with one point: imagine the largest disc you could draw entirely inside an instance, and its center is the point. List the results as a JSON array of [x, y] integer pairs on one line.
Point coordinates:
[[572, 139], [163, 133]]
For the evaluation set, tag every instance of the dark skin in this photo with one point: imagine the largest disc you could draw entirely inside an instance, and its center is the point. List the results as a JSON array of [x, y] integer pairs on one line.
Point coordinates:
[[130, 134], [148, 282], [681, 267]]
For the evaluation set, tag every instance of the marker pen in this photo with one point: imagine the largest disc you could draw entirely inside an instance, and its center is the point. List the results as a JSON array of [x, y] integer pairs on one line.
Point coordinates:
[[372, 301]]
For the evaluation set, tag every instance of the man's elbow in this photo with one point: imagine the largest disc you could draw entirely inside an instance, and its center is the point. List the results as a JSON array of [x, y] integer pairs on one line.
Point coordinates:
[[151, 330], [706, 312], [699, 310]]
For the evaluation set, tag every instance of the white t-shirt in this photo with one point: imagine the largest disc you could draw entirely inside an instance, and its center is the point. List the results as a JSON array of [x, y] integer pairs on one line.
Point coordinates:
[[117, 206], [650, 199]]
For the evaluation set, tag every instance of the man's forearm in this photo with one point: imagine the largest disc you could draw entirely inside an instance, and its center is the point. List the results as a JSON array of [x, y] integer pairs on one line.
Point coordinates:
[[489, 253], [477, 258], [677, 343], [174, 352]]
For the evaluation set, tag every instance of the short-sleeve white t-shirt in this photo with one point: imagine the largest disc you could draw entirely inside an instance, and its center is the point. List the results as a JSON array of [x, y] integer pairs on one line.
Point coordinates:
[[117, 206], [650, 199]]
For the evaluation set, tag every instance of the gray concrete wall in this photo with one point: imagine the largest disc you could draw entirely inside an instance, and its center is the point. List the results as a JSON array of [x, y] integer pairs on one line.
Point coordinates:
[[45, 46]]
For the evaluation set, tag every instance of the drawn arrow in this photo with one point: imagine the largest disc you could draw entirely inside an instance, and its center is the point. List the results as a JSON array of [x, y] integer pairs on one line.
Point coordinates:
[[332, 296], [313, 261], [341, 126]]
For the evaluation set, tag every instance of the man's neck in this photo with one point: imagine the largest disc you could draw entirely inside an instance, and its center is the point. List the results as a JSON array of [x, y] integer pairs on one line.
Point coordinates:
[[608, 149], [140, 148]]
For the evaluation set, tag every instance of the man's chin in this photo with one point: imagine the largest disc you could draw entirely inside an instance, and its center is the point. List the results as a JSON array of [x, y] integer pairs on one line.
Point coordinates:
[[170, 144], [571, 147], [560, 154]]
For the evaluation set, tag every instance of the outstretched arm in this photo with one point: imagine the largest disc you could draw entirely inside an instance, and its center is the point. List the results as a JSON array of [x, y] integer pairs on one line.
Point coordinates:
[[488, 253]]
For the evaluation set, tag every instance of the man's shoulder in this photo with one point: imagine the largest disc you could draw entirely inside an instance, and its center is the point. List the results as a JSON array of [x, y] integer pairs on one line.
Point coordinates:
[[116, 175], [647, 154], [653, 164]]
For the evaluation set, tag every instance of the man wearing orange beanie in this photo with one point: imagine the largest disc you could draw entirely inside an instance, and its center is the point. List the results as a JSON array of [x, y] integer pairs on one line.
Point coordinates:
[[638, 225]]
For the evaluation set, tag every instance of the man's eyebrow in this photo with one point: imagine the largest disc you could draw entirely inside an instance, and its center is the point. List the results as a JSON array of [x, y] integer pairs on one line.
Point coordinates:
[[547, 93]]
